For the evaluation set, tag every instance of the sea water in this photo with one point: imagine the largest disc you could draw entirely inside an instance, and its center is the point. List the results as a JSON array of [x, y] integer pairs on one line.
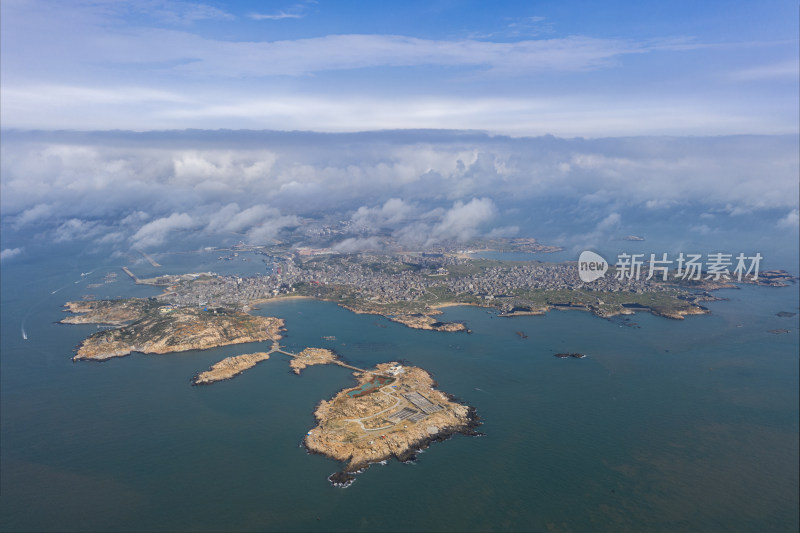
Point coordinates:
[[665, 426]]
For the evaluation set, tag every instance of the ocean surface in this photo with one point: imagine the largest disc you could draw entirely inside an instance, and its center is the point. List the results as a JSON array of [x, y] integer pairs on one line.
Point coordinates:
[[666, 425]]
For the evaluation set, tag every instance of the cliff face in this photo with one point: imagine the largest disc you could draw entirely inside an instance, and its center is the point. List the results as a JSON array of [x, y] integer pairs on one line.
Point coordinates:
[[180, 330], [388, 422]]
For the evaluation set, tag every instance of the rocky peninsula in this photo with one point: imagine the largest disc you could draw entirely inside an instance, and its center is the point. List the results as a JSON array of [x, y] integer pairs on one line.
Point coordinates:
[[229, 367], [167, 329], [393, 412], [111, 312]]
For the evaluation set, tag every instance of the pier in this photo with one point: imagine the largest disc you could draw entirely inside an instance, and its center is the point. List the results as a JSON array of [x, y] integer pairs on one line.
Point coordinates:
[[131, 274]]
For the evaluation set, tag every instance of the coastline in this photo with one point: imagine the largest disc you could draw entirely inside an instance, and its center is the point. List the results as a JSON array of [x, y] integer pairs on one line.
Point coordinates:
[[261, 301], [345, 477], [444, 305], [229, 368], [393, 411], [162, 330]]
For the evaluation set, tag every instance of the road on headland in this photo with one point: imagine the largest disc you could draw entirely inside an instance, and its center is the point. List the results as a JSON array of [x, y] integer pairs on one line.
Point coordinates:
[[359, 421]]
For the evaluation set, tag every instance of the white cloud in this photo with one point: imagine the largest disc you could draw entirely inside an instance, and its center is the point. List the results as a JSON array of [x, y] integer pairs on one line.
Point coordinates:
[[461, 222], [137, 217], [611, 222], [357, 244], [296, 11], [76, 229], [411, 225], [217, 221], [155, 233], [33, 215], [275, 16], [233, 167], [261, 223], [113, 237], [392, 212], [702, 229], [788, 70], [791, 220], [177, 12], [266, 231], [171, 48], [144, 65], [41, 106], [9, 253], [253, 182], [505, 231], [249, 217], [604, 231]]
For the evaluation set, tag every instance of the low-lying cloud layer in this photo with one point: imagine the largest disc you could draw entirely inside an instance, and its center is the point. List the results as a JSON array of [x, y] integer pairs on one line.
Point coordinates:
[[131, 189]]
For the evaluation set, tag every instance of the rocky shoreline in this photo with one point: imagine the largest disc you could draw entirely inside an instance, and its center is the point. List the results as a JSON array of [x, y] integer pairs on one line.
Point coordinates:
[[229, 367], [393, 418], [345, 477], [427, 322], [312, 356], [158, 330], [570, 354]]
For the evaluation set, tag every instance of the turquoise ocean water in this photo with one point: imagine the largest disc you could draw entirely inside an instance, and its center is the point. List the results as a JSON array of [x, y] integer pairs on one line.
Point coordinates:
[[670, 426]]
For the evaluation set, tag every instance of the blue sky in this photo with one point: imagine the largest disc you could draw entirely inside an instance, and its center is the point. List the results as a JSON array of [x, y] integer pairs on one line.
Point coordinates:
[[520, 68], [589, 121]]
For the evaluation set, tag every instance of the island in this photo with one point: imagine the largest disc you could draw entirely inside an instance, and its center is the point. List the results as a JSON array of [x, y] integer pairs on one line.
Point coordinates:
[[312, 356], [229, 367], [159, 329], [427, 321], [394, 411]]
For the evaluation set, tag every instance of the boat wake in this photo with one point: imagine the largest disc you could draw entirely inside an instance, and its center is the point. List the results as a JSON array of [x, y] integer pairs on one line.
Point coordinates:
[[24, 333]]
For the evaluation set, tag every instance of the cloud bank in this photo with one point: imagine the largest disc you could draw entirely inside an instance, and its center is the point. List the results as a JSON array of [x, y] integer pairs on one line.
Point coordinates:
[[141, 189]]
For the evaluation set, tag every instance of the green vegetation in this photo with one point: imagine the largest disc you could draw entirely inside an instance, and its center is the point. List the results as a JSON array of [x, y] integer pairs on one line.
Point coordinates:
[[662, 302]]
